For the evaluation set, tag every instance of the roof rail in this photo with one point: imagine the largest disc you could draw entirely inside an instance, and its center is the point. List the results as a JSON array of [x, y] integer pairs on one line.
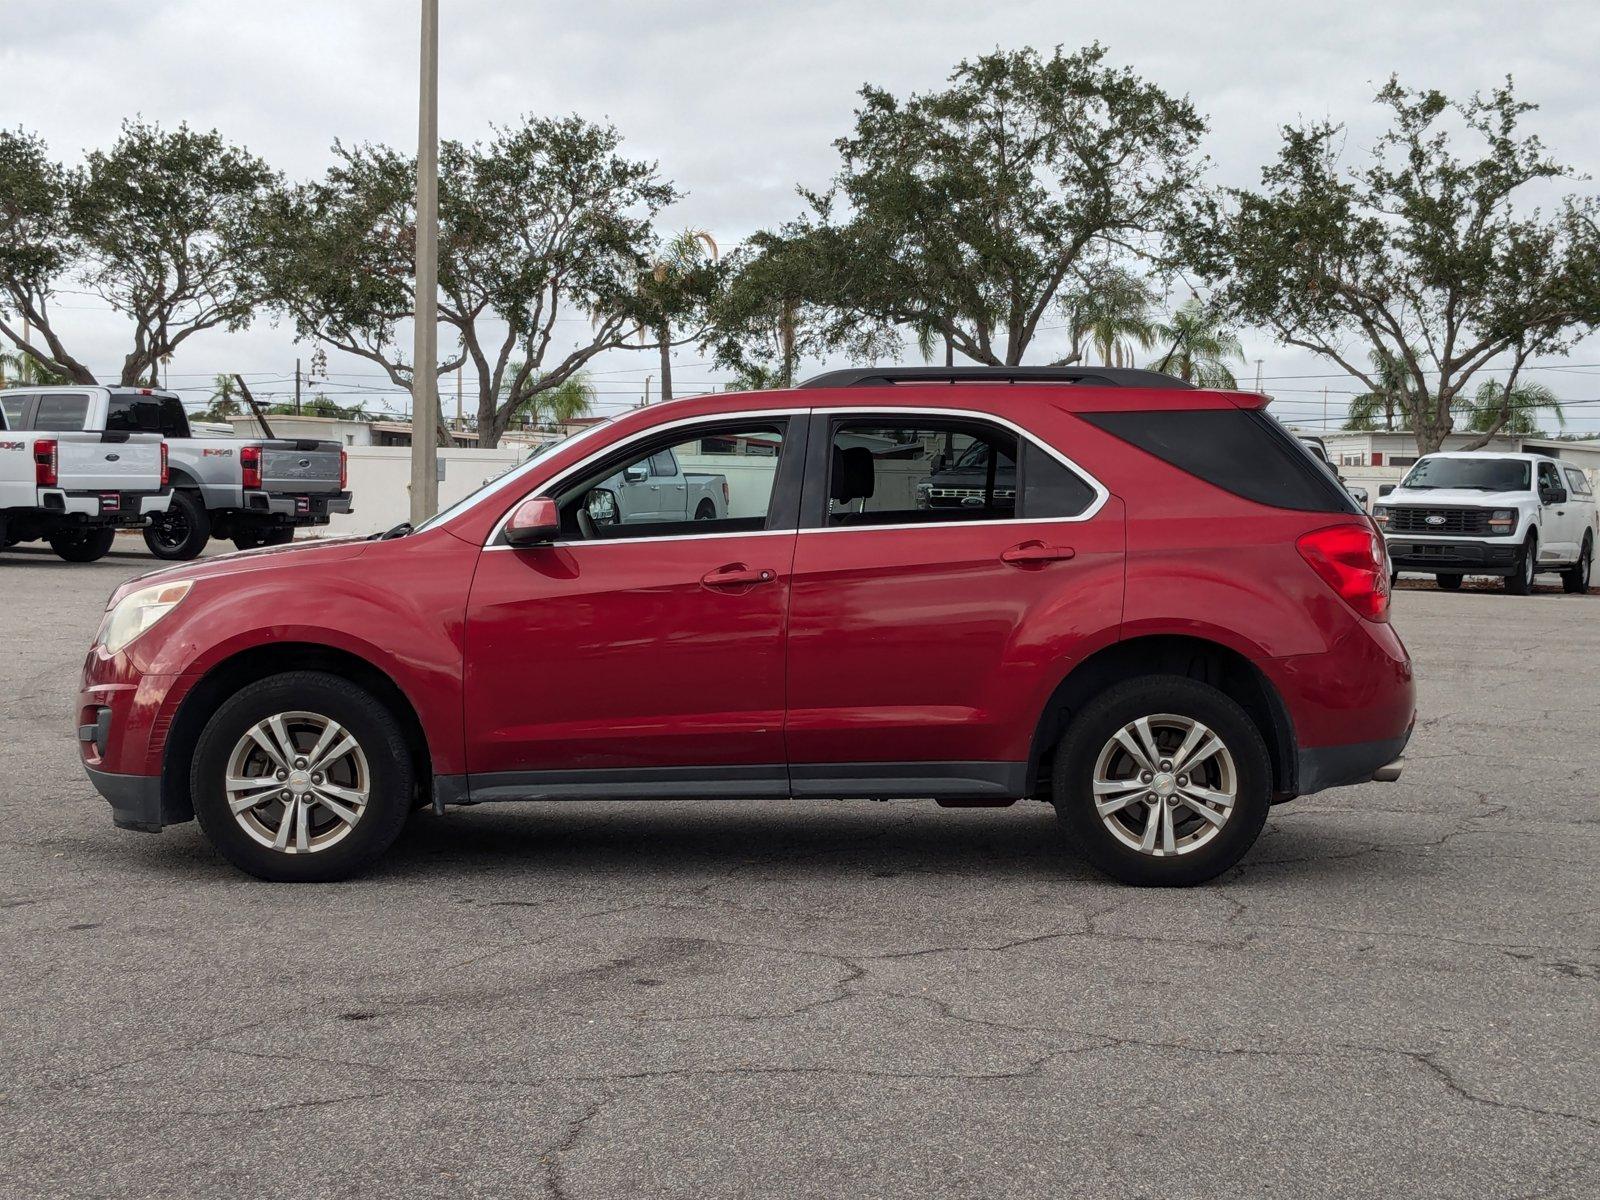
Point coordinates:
[[1091, 376]]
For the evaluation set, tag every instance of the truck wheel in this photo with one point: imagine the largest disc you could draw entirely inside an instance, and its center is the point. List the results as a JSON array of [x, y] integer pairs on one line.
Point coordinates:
[[83, 545], [706, 512], [1162, 780], [248, 539], [1520, 581], [1575, 578], [302, 777], [1448, 583], [279, 536], [181, 532]]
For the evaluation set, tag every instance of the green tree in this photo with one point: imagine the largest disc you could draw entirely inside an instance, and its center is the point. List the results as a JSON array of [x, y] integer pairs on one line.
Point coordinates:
[[1425, 255], [224, 402], [25, 370], [972, 212], [544, 223], [1110, 318], [573, 397], [680, 286], [1494, 409], [1389, 373], [1199, 346]]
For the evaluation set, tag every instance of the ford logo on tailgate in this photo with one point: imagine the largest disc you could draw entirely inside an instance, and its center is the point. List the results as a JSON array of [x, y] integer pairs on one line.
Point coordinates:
[[1435, 519]]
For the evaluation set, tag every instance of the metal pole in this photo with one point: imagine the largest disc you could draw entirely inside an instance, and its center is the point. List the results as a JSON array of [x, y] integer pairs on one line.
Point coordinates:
[[297, 409], [425, 357]]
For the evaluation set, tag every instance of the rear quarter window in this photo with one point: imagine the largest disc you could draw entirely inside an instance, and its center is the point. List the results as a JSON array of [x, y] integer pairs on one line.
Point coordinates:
[[1242, 451]]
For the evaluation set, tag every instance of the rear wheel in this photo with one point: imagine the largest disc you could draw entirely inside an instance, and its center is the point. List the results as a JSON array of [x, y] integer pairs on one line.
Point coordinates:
[[1162, 780], [1576, 577], [1448, 583], [1520, 581], [302, 777], [706, 512], [278, 535], [248, 538], [180, 533], [83, 545]]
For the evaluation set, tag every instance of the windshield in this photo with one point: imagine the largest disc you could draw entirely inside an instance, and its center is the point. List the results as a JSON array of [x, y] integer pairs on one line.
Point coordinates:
[[472, 498], [1476, 474]]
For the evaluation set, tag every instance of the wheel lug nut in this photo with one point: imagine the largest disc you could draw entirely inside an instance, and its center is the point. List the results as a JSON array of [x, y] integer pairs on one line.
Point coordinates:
[[285, 796], [300, 764], [1166, 764], [1145, 777], [316, 779], [1183, 780], [1150, 797], [282, 775]]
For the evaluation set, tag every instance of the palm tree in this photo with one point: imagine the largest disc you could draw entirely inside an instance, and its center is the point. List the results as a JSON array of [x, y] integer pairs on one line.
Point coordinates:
[[1110, 316], [224, 404], [684, 255], [572, 397], [24, 370], [1491, 403], [1390, 373], [1200, 347]]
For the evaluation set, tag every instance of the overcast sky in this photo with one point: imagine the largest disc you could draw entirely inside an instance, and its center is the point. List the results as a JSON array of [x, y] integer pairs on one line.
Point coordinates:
[[739, 102]]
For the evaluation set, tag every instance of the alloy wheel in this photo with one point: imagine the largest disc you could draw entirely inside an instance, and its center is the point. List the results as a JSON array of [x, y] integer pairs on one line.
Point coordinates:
[[297, 782], [1165, 785]]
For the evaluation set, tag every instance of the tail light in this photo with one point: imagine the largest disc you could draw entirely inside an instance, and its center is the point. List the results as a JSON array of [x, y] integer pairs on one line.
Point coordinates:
[[165, 477], [250, 465], [1352, 561], [344, 470], [45, 463]]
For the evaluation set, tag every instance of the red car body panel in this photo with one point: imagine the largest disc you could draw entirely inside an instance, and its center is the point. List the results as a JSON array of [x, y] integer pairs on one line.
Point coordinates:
[[867, 645]]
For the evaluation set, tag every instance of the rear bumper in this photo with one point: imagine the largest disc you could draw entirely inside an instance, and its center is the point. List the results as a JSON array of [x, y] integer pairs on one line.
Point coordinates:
[[103, 508], [1489, 557], [301, 508], [1322, 767]]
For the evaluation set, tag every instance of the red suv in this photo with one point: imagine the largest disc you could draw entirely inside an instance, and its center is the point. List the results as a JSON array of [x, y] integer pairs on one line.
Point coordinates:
[[1142, 602]]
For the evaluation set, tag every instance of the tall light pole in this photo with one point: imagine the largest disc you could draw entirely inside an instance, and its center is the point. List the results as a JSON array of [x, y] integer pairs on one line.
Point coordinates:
[[425, 356]]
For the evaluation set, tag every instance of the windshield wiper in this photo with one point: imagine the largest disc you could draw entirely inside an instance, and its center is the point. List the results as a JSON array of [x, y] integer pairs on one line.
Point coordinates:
[[399, 531]]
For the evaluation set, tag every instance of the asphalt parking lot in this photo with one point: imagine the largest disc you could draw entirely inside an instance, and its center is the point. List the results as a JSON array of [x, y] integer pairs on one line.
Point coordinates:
[[1396, 994]]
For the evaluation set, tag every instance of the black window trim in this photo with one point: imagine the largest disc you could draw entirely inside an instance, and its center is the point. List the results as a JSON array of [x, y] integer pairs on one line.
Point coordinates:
[[814, 502]]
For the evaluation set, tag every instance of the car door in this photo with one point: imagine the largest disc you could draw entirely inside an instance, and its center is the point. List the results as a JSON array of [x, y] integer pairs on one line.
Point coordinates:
[[1558, 520], [633, 656], [927, 630], [1582, 504]]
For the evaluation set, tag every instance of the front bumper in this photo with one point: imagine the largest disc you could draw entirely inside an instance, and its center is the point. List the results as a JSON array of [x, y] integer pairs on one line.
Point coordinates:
[[135, 800], [1497, 556]]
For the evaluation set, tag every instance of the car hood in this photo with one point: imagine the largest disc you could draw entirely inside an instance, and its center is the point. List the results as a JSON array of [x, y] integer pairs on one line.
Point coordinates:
[[264, 558], [1456, 497]]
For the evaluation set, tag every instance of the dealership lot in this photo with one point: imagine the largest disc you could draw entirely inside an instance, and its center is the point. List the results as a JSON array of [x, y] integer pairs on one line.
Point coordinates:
[[1397, 993]]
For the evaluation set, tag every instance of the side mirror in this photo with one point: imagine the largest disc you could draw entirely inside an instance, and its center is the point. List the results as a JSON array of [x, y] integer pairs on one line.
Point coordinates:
[[637, 473], [1553, 495], [534, 521], [1385, 488], [601, 505]]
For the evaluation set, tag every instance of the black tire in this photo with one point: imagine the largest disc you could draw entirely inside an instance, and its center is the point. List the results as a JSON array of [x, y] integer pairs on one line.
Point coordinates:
[[248, 539], [278, 536], [180, 533], [706, 512], [1520, 581], [1575, 579], [1448, 583], [382, 741], [83, 545], [1093, 729]]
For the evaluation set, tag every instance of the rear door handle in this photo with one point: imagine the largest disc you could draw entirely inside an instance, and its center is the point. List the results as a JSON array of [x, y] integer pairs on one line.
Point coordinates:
[[736, 575], [1030, 554]]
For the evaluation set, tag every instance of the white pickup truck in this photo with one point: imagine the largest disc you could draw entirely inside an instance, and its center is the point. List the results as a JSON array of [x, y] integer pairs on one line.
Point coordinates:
[[1512, 515], [253, 492], [657, 490], [74, 489]]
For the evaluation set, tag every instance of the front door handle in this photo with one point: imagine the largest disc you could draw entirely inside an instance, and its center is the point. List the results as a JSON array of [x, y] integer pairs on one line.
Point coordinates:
[[737, 575], [1031, 554]]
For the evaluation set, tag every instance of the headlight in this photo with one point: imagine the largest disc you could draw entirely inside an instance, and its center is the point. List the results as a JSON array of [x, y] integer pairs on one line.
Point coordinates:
[[1380, 515], [138, 611], [1502, 520]]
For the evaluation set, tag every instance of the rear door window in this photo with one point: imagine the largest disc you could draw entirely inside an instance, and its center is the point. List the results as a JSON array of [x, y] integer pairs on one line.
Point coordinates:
[[15, 408], [1578, 482], [61, 411], [147, 414]]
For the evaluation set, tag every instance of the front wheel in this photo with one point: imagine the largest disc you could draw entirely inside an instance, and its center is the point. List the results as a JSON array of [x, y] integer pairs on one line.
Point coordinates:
[[83, 545], [302, 777], [1520, 581], [180, 533], [1162, 781], [1448, 583], [1575, 579]]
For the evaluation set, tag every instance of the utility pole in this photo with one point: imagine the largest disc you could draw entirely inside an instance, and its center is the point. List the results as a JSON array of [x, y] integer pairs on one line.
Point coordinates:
[[460, 371], [297, 387], [425, 355], [647, 380], [1258, 374]]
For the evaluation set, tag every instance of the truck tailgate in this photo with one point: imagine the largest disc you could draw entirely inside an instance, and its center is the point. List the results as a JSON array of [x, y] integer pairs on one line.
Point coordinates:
[[95, 462], [286, 467]]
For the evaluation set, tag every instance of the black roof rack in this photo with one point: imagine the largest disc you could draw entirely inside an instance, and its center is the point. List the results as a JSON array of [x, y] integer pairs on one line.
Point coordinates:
[[1092, 376]]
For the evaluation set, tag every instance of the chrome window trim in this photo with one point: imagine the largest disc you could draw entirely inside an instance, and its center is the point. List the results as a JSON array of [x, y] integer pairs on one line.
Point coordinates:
[[1101, 493], [666, 426]]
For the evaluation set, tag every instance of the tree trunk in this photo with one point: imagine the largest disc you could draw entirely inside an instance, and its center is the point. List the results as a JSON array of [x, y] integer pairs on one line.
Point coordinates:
[[488, 427], [664, 334]]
